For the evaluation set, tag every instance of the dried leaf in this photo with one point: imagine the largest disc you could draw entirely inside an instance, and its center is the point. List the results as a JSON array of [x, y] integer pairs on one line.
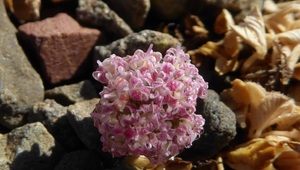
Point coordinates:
[[281, 20], [288, 160], [231, 44], [263, 111], [247, 93], [275, 112], [294, 91], [223, 22], [270, 40], [293, 134], [211, 49], [223, 65], [291, 64], [269, 153], [240, 97], [175, 164], [294, 25], [283, 4], [296, 73], [270, 6], [286, 53], [225, 52], [142, 163], [137, 162], [194, 26], [252, 32], [210, 164], [289, 38]]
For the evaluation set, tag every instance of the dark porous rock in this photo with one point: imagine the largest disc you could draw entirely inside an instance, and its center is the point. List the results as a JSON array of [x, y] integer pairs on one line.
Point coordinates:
[[81, 121], [141, 40], [219, 128], [70, 94], [81, 160], [62, 45], [169, 9], [53, 116], [98, 14], [20, 85], [134, 12], [32, 147]]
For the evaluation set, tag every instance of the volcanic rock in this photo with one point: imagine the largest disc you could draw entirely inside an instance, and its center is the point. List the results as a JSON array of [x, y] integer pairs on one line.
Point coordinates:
[[80, 160], [62, 46], [134, 12], [219, 128], [141, 40], [98, 14], [81, 121], [30, 147], [53, 116], [20, 85], [70, 94]]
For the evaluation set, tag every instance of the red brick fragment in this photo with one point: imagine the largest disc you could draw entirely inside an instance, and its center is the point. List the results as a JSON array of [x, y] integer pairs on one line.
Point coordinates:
[[61, 44]]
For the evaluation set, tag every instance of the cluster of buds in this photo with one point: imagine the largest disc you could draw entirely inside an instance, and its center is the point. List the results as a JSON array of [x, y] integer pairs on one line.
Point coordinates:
[[147, 106]]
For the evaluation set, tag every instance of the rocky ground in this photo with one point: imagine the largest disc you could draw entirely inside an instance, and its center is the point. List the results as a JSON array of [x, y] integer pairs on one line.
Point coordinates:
[[48, 51]]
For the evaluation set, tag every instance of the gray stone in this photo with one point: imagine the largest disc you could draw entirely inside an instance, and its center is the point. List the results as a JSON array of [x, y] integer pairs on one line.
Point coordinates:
[[97, 13], [81, 160], [53, 116], [134, 12], [81, 121], [32, 147], [70, 94], [20, 85], [219, 128], [141, 40]]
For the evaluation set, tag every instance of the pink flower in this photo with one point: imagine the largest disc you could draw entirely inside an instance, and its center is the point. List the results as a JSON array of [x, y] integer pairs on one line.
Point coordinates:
[[148, 104]]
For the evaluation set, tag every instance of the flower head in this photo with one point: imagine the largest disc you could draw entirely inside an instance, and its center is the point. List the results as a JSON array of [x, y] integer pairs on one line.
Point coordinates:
[[148, 104]]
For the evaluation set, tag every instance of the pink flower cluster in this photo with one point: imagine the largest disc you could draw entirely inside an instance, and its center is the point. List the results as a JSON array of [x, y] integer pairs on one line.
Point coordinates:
[[148, 104]]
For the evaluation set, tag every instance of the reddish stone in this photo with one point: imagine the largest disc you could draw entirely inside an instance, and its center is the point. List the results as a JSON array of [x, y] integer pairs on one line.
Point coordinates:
[[61, 44]]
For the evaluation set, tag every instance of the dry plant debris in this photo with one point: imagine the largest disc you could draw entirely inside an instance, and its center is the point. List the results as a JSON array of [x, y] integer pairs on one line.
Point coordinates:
[[261, 112], [143, 163], [271, 122], [268, 153], [268, 118], [273, 37], [195, 27]]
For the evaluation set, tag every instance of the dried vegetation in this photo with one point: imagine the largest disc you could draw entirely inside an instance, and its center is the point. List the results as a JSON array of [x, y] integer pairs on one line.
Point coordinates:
[[263, 51]]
